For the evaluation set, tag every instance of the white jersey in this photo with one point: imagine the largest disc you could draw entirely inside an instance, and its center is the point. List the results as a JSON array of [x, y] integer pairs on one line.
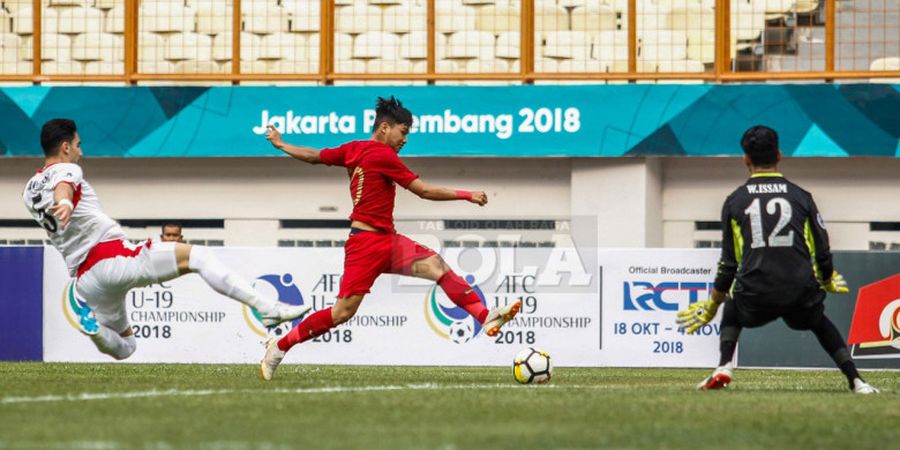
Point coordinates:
[[88, 225]]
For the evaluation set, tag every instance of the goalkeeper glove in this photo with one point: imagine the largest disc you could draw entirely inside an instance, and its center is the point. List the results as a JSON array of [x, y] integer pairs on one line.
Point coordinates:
[[836, 285], [697, 315]]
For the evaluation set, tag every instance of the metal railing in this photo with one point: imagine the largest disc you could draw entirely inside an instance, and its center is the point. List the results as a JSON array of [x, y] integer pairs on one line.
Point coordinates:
[[722, 69]]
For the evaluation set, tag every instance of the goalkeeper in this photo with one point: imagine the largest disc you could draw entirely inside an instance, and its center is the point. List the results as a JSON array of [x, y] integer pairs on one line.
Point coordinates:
[[775, 262]]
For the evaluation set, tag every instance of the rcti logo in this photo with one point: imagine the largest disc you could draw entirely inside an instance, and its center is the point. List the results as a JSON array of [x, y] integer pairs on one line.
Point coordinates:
[[280, 287], [665, 296], [75, 309], [875, 330], [448, 320]]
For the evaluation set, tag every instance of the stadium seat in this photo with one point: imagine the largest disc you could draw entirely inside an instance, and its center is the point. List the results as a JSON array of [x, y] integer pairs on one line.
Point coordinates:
[[404, 18], [151, 49], [9, 48], [679, 66], [594, 18], [221, 46], [246, 67], [471, 44], [263, 18], [568, 44], [156, 66], [498, 18], [701, 45], [189, 46], [55, 47], [747, 22], [166, 17], [343, 45], [358, 18], [213, 19], [546, 65], [451, 17], [62, 68], [376, 45], [303, 15], [610, 47], [663, 46], [386, 2], [104, 68], [115, 20], [299, 66], [549, 17], [692, 17], [415, 45], [586, 66], [6, 23], [508, 44], [479, 2], [16, 68], [487, 66], [83, 3], [78, 20], [890, 63], [109, 4], [349, 66], [290, 46], [190, 66], [389, 66], [95, 46]]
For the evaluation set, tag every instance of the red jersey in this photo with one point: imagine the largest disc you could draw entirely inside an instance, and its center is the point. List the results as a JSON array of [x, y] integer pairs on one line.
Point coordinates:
[[373, 168]]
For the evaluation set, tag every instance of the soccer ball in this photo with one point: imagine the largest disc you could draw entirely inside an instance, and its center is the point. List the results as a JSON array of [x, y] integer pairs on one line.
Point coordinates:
[[461, 331], [532, 366]]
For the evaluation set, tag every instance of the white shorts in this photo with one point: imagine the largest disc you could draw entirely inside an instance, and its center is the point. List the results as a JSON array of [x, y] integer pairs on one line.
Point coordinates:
[[115, 267]]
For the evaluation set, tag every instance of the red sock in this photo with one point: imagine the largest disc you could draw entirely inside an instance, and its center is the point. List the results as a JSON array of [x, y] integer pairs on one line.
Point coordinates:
[[463, 295], [315, 325]]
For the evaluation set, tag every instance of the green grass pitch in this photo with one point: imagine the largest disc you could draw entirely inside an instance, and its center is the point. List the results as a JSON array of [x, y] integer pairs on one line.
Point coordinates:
[[160, 406]]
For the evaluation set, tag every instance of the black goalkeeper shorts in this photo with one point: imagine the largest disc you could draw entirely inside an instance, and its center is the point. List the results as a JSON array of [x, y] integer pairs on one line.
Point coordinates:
[[739, 312]]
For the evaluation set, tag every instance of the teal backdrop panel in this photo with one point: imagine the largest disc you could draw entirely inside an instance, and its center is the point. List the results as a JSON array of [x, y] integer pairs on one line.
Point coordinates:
[[508, 121], [776, 345]]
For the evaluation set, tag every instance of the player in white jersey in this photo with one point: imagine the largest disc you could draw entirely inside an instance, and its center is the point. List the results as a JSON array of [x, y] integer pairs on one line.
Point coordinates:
[[104, 265]]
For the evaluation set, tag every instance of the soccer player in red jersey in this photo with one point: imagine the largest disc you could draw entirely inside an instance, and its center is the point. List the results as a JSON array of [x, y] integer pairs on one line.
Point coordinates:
[[374, 246]]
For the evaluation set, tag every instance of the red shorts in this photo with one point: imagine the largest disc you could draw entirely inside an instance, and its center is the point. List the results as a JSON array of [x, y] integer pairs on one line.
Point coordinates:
[[369, 254]]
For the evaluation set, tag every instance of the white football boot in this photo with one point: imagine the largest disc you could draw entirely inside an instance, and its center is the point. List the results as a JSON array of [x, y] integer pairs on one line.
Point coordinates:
[[282, 313], [271, 359], [499, 316], [861, 387], [720, 379]]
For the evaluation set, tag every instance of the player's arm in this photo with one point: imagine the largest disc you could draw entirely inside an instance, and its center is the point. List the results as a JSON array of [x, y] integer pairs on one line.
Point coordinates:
[[63, 194], [699, 314], [437, 193], [830, 280], [305, 154]]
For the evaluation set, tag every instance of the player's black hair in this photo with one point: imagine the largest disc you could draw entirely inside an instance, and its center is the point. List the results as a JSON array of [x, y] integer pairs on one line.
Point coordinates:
[[760, 144], [390, 110], [170, 223], [54, 133]]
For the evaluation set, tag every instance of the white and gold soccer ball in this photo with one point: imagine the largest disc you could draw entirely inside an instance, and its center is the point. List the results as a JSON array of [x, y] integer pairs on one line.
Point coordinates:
[[532, 366]]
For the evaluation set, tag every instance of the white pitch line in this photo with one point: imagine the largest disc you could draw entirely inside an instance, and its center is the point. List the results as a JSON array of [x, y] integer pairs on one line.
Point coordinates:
[[89, 396]]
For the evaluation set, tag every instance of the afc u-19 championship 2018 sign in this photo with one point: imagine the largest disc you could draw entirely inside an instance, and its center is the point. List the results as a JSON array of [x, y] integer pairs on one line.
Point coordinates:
[[585, 307]]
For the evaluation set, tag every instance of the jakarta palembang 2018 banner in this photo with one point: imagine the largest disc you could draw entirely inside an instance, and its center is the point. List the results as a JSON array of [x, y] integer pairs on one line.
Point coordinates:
[[507, 121]]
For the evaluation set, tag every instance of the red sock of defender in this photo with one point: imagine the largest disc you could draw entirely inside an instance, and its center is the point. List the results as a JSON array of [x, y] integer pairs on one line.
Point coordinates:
[[463, 295], [315, 325]]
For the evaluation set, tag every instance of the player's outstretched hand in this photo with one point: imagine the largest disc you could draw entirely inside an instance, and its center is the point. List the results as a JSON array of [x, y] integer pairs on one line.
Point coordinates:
[[837, 284], [697, 315], [479, 198], [274, 136], [63, 213]]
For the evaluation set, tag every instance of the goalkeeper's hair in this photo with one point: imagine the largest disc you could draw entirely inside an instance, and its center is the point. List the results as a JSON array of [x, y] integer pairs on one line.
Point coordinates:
[[390, 110], [760, 144]]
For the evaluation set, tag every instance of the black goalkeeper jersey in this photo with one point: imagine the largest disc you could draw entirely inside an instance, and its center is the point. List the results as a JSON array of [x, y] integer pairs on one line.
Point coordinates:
[[774, 244]]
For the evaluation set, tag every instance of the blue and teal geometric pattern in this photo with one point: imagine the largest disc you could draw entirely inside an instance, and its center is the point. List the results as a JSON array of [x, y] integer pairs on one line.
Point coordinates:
[[507, 121]]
